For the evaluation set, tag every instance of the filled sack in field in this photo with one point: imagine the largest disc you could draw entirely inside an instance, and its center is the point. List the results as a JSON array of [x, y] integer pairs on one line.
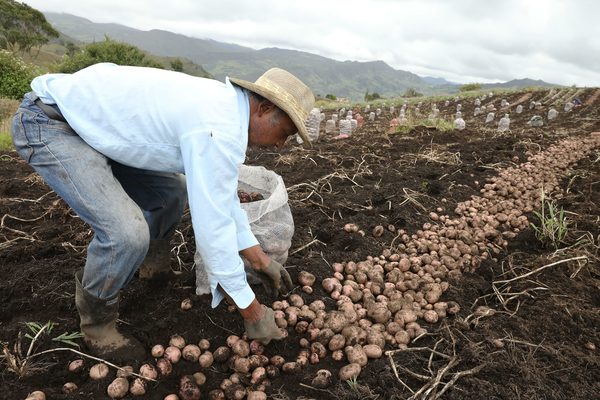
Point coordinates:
[[270, 219]]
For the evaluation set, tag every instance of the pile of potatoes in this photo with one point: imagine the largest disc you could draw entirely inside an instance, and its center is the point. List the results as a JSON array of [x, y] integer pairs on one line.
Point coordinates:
[[387, 300]]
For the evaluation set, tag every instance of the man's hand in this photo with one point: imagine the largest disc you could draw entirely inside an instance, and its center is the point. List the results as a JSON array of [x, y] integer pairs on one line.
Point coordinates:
[[262, 327], [281, 282]]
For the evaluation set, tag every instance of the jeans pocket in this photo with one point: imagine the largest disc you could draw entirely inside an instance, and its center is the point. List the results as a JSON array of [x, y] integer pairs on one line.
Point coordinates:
[[25, 135]]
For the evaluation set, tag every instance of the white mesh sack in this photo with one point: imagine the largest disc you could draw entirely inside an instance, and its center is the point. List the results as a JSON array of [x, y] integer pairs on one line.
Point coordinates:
[[270, 219], [313, 126]]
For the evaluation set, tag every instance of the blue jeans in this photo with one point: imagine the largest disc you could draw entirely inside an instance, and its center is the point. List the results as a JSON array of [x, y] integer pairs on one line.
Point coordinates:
[[126, 207]]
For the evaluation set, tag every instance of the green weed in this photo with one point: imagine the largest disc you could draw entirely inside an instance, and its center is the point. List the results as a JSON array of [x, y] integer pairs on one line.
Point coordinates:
[[552, 225]]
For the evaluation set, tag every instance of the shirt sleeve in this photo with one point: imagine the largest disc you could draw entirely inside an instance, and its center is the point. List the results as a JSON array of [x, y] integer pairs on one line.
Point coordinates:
[[245, 237], [211, 167]]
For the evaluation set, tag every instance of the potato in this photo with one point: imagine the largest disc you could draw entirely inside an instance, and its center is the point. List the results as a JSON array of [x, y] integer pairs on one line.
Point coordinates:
[[318, 349], [325, 336], [291, 367], [36, 395], [430, 316], [171, 396], [173, 354], [99, 371], [307, 289], [256, 347], [322, 380], [241, 365], [402, 337], [354, 335], [373, 351], [314, 358], [337, 355], [235, 392], [199, 378], [164, 367], [241, 348], [118, 388], [206, 359], [231, 339], [76, 365], [296, 300], [335, 321], [356, 355], [186, 304], [256, 395], [204, 344], [177, 341], [258, 375], [378, 231], [158, 351], [306, 278], [69, 387], [331, 285], [191, 352], [225, 383], [337, 342], [350, 371], [221, 354], [272, 371], [351, 228], [277, 361], [148, 371], [138, 387], [125, 371], [188, 390], [216, 394]]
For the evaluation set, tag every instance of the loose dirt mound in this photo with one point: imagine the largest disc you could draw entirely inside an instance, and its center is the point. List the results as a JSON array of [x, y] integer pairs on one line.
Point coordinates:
[[538, 341]]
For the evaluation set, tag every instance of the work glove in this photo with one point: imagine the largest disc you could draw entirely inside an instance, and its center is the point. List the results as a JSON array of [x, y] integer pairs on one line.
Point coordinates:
[[264, 330], [275, 279]]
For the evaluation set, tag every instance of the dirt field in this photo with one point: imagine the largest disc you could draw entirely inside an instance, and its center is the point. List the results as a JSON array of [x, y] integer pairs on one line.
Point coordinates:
[[540, 341]]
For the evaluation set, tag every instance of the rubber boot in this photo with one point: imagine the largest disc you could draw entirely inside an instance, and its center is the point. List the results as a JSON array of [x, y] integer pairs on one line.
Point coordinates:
[[156, 264], [99, 327]]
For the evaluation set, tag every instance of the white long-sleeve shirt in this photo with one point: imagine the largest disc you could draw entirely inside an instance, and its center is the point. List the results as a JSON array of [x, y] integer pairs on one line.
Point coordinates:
[[171, 122]]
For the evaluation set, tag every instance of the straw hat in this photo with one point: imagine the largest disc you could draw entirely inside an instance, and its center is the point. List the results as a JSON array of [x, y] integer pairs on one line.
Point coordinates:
[[286, 92]]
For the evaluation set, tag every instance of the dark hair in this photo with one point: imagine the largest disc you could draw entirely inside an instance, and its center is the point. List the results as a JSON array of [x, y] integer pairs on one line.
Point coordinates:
[[275, 117]]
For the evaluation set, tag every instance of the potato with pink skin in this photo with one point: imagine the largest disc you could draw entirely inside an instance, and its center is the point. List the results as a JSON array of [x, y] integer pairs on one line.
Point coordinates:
[[204, 344], [148, 371], [322, 380], [158, 351], [241, 365], [235, 392], [99, 371], [356, 355], [258, 375], [241, 348], [188, 390], [256, 395], [173, 354], [191, 352], [306, 278], [337, 342], [171, 397], [69, 387], [177, 341], [206, 360], [76, 365], [222, 354], [164, 367], [373, 351], [138, 387]]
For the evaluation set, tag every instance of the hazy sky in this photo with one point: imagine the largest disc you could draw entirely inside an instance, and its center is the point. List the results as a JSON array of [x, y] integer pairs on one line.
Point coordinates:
[[460, 40]]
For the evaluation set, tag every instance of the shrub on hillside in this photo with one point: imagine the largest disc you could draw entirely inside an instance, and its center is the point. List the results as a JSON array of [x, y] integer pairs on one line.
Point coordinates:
[[15, 75], [106, 51], [470, 86]]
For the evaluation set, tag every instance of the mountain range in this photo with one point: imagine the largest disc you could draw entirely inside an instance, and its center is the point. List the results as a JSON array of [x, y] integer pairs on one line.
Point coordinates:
[[350, 79]]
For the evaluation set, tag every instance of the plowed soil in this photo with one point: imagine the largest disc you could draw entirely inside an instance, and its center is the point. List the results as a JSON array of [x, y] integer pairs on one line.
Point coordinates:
[[542, 344]]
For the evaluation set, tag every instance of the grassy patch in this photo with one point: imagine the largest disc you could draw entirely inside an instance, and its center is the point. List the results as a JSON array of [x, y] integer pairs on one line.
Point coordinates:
[[5, 141]]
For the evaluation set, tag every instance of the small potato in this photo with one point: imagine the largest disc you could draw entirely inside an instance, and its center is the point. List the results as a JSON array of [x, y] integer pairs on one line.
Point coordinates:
[[173, 354], [235, 392], [231, 339], [36, 395], [118, 388], [76, 365], [125, 371], [69, 387], [378, 231], [307, 290], [191, 352], [318, 349], [337, 342], [148, 371], [337, 355], [164, 367], [322, 380], [222, 354], [277, 361], [99, 371], [256, 395], [199, 378], [351, 228], [291, 367], [256, 347], [241, 365], [241, 348], [356, 355], [258, 375], [350, 371], [306, 278], [158, 351], [373, 351], [171, 396], [138, 387], [431, 316], [296, 300], [186, 304], [177, 341], [204, 344], [188, 390], [272, 371], [216, 394], [206, 360]]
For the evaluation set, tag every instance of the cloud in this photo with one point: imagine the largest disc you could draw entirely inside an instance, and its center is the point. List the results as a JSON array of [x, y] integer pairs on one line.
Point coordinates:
[[462, 40]]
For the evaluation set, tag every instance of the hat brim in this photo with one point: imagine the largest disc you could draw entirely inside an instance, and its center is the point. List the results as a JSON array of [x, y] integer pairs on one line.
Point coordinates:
[[275, 99]]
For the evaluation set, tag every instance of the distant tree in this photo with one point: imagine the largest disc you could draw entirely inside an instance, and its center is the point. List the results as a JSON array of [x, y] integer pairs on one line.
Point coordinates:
[[331, 97], [15, 75], [470, 86], [106, 51], [177, 65], [410, 92], [71, 49], [23, 27], [372, 96]]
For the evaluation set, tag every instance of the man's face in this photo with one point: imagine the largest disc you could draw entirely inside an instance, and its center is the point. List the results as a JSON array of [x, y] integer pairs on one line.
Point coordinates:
[[269, 128]]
